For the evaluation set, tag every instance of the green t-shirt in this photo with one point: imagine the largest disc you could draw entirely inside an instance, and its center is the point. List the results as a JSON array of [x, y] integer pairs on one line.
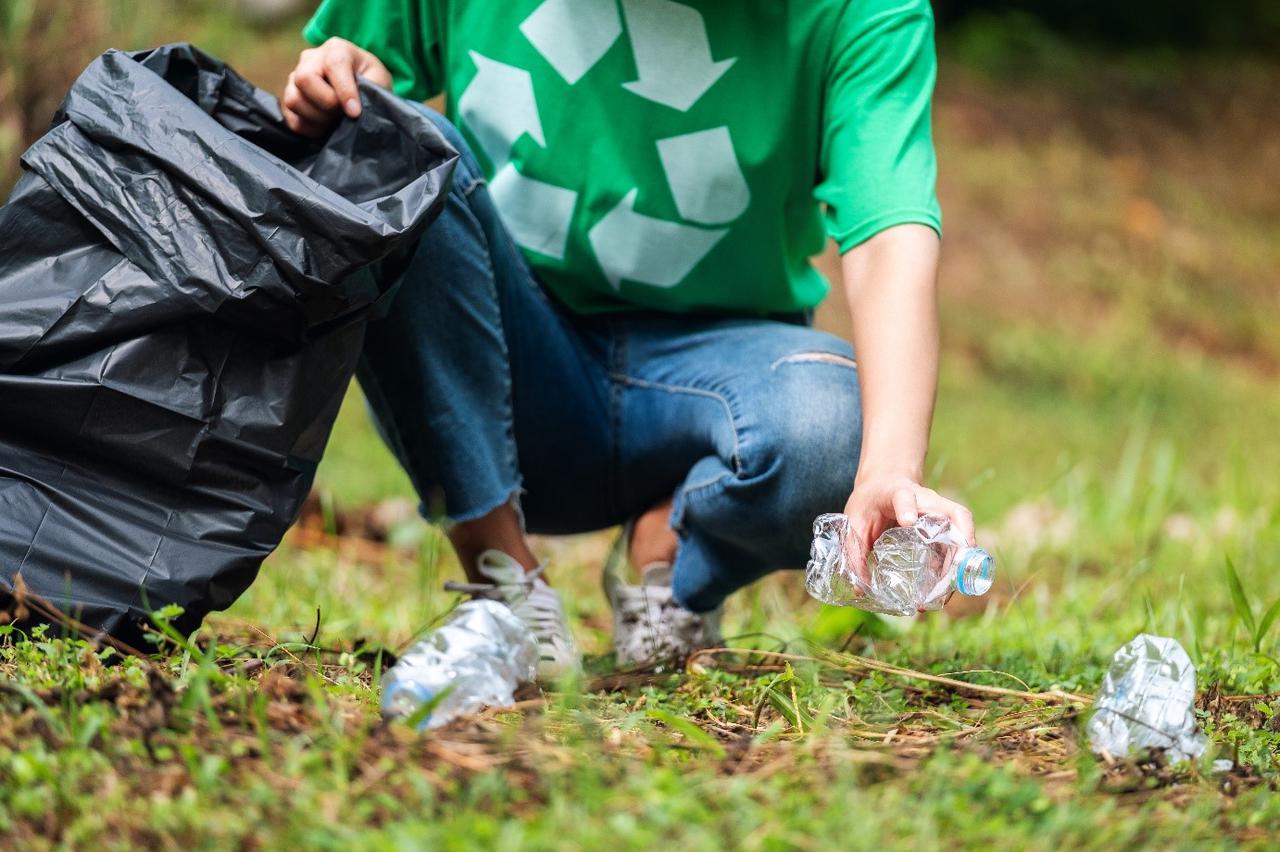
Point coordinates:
[[676, 156]]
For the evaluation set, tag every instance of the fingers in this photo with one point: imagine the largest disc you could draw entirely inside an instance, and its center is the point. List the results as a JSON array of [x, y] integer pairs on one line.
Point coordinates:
[[876, 505], [309, 103], [865, 527], [340, 74], [905, 509], [300, 115], [323, 86], [960, 517], [309, 108], [372, 69], [856, 548], [315, 91]]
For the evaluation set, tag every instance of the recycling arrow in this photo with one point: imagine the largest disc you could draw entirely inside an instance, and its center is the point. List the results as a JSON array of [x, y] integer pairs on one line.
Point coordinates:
[[537, 214], [572, 35], [635, 247], [672, 53], [705, 179], [499, 107]]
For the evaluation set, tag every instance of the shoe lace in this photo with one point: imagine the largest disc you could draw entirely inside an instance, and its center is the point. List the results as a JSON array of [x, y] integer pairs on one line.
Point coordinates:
[[493, 591], [539, 605]]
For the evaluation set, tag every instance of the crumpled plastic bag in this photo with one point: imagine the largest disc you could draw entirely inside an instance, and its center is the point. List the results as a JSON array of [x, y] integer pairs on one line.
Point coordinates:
[[184, 288], [1147, 701]]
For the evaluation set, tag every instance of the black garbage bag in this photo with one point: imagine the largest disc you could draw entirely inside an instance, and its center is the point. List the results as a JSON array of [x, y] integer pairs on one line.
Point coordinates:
[[184, 288]]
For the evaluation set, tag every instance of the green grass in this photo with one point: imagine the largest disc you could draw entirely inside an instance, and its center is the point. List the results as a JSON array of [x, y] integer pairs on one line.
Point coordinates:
[[1108, 409]]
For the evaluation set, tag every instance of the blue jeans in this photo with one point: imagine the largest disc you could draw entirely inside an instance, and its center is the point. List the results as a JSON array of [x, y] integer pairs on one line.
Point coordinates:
[[486, 389]]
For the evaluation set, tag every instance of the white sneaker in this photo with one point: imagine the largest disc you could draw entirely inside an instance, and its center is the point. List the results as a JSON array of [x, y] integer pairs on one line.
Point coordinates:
[[536, 603], [648, 625]]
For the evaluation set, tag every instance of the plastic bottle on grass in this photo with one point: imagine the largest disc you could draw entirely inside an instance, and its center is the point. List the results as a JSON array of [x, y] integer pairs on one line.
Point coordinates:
[[477, 658], [909, 569], [1147, 701]]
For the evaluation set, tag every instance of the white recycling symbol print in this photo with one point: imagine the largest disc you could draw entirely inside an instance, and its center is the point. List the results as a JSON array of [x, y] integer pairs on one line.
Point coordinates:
[[572, 35], [675, 68], [672, 53]]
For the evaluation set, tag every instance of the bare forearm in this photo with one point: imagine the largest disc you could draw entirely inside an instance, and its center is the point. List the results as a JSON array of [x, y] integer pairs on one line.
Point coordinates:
[[892, 284], [892, 293]]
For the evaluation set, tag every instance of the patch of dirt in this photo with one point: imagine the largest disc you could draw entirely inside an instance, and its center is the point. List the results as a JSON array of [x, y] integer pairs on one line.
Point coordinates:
[[1215, 702], [373, 522]]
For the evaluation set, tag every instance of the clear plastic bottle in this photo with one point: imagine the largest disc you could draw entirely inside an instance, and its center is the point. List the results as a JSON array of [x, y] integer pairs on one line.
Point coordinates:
[[478, 657], [910, 569], [1147, 701]]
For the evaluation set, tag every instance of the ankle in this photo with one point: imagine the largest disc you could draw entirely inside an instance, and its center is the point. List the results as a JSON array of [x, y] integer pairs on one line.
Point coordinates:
[[499, 530], [652, 539]]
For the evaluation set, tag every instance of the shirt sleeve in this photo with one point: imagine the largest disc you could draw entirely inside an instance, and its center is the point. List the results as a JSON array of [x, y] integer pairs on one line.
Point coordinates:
[[402, 33], [878, 167]]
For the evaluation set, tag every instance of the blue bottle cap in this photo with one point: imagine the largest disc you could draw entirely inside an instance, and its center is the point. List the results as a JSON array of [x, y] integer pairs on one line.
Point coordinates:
[[401, 699], [975, 571]]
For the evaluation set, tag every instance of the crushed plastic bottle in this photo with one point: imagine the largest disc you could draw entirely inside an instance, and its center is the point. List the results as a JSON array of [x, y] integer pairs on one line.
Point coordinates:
[[1147, 702], [477, 658], [910, 569]]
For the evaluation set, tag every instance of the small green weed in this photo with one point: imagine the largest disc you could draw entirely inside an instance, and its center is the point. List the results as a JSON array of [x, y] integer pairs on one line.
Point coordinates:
[[1258, 628]]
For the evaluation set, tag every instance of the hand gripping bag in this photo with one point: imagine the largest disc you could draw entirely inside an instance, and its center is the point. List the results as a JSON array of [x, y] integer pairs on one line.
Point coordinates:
[[184, 289]]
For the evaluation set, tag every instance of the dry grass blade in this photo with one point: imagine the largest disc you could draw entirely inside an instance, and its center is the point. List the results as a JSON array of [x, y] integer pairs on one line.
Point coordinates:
[[847, 662]]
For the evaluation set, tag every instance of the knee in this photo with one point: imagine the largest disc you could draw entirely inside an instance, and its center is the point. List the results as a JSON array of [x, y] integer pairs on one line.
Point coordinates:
[[810, 436]]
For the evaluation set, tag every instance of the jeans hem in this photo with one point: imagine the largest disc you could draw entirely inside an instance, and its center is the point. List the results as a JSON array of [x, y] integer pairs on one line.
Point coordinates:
[[511, 498]]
